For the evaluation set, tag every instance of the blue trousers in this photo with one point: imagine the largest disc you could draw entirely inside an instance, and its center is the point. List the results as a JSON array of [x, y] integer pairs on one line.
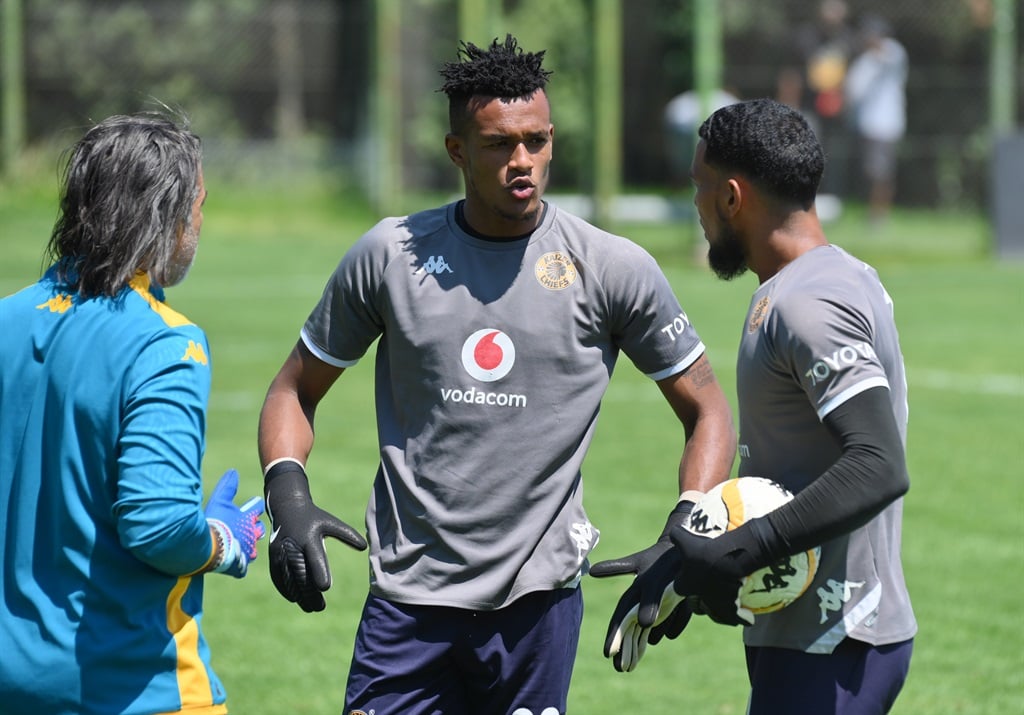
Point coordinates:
[[429, 660], [857, 678]]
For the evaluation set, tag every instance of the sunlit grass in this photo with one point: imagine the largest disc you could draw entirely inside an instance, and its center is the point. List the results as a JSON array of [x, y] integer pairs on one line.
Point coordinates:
[[264, 256]]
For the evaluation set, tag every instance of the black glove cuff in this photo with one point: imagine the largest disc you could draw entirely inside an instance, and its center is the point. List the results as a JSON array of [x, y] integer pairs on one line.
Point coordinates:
[[753, 546], [285, 466], [771, 546], [289, 484], [680, 516]]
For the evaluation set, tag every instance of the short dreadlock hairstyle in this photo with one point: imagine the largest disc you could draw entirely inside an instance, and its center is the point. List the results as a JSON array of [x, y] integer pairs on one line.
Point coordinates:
[[503, 71]]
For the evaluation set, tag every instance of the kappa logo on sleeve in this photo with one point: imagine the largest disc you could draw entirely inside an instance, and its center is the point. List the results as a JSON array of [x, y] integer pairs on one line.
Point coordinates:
[[195, 352]]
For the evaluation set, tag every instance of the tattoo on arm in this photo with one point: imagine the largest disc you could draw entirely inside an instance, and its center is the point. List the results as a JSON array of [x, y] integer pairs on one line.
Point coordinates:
[[700, 373]]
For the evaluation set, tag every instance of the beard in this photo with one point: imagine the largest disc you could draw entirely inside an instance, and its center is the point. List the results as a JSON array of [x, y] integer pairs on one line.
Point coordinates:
[[180, 263], [726, 256]]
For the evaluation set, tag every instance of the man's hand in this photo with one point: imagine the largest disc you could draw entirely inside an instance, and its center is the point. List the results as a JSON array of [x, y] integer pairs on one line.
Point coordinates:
[[650, 609], [676, 622], [650, 602], [712, 569], [298, 560], [237, 529]]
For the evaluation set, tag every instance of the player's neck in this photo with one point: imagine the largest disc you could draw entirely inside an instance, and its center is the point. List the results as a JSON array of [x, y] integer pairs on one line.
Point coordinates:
[[523, 231], [799, 233]]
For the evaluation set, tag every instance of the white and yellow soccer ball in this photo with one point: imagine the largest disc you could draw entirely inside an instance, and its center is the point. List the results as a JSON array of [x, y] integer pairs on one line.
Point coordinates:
[[730, 504]]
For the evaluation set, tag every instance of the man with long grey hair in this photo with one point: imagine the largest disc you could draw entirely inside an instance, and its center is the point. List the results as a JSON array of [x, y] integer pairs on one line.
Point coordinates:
[[103, 396]]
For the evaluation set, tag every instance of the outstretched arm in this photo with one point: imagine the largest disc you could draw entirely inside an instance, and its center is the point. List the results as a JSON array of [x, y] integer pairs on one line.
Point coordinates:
[[298, 559], [286, 420]]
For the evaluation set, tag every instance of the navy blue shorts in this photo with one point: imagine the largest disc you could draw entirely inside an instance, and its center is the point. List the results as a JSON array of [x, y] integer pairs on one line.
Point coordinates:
[[856, 679], [425, 660]]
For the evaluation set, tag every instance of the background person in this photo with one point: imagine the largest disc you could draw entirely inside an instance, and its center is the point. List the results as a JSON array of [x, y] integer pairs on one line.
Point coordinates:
[[499, 318], [812, 80], [876, 90], [103, 394], [683, 114]]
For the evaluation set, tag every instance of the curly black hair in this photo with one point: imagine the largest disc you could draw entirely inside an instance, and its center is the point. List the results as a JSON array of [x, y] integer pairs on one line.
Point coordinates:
[[503, 70], [769, 142]]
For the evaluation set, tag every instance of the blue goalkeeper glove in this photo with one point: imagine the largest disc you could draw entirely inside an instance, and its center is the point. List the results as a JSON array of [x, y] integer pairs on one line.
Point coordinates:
[[236, 528], [298, 560], [650, 609]]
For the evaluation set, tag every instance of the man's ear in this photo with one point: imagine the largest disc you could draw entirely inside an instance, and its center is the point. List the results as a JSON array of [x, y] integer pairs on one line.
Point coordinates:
[[733, 193], [453, 145]]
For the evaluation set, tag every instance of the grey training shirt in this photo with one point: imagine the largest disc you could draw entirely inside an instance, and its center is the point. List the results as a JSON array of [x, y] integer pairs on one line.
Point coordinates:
[[491, 364], [817, 333]]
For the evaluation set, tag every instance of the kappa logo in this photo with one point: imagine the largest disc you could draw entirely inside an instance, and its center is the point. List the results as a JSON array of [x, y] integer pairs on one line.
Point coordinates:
[[582, 534], [832, 598], [195, 352], [700, 523], [488, 355], [434, 265], [60, 303]]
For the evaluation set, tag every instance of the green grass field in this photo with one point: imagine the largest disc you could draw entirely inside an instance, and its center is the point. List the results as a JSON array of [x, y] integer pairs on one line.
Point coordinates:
[[264, 256]]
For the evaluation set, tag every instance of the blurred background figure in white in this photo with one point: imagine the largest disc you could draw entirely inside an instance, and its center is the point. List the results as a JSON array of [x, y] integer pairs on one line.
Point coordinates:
[[876, 93]]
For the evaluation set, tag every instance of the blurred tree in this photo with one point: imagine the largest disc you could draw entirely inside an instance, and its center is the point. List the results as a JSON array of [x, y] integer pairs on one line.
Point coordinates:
[[568, 54], [563, 30], [242, 75], [115, 57]]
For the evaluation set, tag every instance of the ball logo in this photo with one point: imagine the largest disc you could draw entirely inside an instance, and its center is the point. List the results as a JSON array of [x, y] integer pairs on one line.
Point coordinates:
[[731, 504], [488, 355]]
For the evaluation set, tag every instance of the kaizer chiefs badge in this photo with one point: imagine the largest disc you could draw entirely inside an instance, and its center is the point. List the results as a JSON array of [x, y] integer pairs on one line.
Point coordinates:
[[758, 313], [555, 271]]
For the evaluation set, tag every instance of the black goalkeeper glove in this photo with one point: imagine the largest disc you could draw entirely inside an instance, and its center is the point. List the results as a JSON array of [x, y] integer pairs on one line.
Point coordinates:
[[650, 609], [298, 560], [713, 569]]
